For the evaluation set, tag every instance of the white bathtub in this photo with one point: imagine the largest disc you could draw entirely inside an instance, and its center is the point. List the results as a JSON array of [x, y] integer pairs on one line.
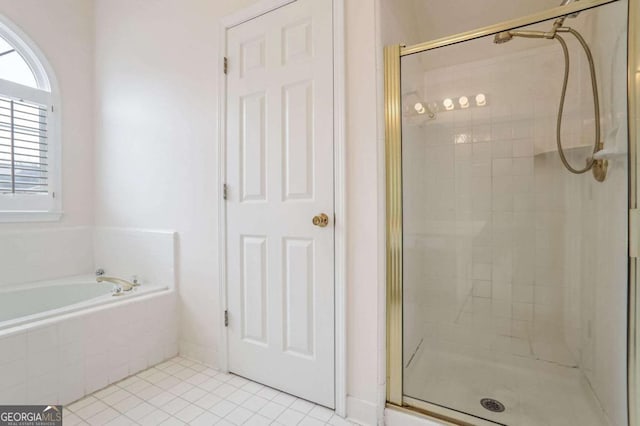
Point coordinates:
[[63, 339], [27, 303], [16, 304]]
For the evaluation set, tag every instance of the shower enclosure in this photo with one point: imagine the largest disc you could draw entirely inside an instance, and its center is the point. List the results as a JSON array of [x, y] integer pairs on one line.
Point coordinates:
[[511, 197]]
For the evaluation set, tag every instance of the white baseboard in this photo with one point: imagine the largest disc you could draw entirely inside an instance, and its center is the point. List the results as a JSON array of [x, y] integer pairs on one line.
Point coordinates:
[[393, 417], [361, 412]]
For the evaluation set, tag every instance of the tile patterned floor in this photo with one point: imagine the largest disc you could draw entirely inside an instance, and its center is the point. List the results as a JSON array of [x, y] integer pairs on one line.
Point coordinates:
[[183, 392]]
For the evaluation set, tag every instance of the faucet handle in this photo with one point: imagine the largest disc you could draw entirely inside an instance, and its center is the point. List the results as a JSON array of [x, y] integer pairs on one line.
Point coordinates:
[[134, 280]]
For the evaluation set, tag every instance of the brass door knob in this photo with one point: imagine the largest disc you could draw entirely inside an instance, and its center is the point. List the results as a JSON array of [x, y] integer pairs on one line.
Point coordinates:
[[321, 220]]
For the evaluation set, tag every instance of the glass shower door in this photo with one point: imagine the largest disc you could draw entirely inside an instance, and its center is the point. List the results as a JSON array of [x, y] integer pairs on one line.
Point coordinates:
[[514, 268]]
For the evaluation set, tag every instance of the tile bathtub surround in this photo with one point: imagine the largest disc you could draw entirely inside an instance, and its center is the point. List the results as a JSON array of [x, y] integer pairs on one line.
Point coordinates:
[[73, 355], [180, 391], [150, 254], [35, 255]]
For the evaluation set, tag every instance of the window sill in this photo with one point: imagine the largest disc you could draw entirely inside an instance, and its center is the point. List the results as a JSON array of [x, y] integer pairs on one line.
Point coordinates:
[[7, 216]]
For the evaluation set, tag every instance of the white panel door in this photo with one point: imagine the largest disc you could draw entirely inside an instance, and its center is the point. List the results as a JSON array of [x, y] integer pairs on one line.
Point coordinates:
[[279, 176]]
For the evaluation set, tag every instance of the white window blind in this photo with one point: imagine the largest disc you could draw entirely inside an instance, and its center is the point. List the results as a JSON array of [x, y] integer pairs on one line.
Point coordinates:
[[23, 147]]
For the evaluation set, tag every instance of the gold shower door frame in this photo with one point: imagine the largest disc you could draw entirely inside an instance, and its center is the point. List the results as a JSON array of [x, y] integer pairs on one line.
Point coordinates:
[[393, 154]]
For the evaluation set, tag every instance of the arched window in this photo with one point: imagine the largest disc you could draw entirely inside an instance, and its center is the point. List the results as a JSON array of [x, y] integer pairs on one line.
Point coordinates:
[[29, 160]]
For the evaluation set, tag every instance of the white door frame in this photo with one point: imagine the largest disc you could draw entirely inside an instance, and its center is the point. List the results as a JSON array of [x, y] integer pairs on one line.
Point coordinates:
[[339, 175]]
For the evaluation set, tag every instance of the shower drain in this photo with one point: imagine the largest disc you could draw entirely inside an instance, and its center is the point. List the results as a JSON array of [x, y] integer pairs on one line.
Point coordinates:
[[492, 405]]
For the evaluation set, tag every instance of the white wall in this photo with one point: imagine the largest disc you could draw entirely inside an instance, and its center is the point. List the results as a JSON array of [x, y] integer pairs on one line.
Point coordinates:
[[156, 87], [365, 207]]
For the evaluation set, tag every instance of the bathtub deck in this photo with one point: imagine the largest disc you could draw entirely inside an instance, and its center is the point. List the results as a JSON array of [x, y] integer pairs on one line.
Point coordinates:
[[180, 391]]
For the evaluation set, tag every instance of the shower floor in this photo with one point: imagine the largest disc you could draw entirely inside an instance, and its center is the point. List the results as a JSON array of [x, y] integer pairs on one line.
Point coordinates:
[[535, 393]]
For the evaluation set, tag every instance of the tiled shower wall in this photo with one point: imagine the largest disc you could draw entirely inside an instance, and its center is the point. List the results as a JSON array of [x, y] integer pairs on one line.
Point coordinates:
[[484, 207]]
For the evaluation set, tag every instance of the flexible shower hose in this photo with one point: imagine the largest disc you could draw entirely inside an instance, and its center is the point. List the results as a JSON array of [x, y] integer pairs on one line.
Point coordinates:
[[596, 106]]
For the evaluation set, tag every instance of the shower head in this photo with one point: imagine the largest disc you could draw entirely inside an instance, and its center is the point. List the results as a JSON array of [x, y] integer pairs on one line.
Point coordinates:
[[505, 36], [502, 37]]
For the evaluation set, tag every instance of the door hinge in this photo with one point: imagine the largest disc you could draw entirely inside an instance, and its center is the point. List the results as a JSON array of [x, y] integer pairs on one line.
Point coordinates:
[[634, 232], [224, 191], [226, 318], [225, 65]]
